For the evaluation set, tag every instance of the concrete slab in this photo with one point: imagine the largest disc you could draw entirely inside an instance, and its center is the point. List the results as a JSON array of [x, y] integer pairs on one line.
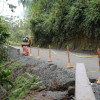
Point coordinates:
[[83, 89], [13, 52]]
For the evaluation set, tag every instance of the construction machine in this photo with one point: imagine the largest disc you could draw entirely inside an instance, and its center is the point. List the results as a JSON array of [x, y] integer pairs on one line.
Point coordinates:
[[27, 41]]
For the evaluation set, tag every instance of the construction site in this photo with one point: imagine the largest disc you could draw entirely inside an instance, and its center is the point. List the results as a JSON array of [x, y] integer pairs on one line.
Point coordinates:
[[49, 49], [66, 75]]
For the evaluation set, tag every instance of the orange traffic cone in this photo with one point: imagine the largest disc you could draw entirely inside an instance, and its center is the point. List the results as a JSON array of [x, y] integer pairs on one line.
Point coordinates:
[[38, 57], [98, 52], [69, 64], [50, 60], [30, 51], [27, 52], [24, 50], [98, 82], [99, 64]]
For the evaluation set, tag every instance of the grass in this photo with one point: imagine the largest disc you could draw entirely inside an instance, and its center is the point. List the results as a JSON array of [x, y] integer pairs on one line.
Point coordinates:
[[15, 43], [24, 82], [4, 63], [15, 65]]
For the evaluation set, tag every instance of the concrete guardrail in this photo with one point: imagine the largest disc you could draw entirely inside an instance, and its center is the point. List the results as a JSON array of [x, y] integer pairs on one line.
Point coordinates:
[[83, 89], [13, 52]]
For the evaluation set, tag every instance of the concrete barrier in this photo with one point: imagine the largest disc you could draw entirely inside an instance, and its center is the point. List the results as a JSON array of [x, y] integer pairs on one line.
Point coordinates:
[[13, 52], [83, 89]]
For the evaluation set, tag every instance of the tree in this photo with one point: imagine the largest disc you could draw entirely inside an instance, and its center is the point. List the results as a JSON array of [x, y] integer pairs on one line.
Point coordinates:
[[3, 32], [74, 22]]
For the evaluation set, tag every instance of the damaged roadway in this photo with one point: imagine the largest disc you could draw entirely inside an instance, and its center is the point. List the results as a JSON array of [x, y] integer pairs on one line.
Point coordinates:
[[57, 80], [56, 77]]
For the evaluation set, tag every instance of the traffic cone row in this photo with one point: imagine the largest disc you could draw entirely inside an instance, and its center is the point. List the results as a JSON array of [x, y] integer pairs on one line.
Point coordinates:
[[25, 52]]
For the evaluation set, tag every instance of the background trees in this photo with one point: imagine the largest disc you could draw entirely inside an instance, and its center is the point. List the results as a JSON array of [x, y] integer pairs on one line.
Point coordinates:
[[18, 29], [3, 36], [3, 32], [63, 22]]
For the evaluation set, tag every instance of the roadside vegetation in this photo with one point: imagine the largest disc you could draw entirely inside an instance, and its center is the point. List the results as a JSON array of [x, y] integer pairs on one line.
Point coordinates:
[[4, 74], [3, 36], [60, 23], [18, 29], [15, 81], [20, 81], [66, 22]]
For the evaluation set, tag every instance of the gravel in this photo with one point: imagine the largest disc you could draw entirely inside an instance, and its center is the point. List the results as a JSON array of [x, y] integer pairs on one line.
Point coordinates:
[[56, 79], [96, 90], [50, 73], [55, 95]]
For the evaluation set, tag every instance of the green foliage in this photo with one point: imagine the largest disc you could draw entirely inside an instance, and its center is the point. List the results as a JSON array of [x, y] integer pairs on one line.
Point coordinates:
[[65, 21], [15, 65], [18, 43], [3, 36], [3, 32], [3, 53], [24, 83], [18, 30], [92, 20], [3, 64], [5, 80]]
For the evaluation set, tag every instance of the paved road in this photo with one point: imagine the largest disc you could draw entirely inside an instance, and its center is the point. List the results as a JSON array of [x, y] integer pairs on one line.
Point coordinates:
[[60, 58]]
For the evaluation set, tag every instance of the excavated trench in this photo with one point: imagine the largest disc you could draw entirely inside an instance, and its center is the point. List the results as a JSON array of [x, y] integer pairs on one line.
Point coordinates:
[[69, 88], [95, 88], [61, 93]]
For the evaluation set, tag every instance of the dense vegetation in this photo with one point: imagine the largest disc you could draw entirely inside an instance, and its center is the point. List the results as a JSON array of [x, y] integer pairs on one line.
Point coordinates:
[[4, 74], [18, 30], [3, 36], [16, 82], [66, 22]]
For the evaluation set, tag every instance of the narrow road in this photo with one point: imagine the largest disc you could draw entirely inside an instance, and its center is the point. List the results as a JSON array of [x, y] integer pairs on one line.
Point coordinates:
[[60, 58]]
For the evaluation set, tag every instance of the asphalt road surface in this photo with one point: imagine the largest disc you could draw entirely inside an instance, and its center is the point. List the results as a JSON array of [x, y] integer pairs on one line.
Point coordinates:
[[60, 58]]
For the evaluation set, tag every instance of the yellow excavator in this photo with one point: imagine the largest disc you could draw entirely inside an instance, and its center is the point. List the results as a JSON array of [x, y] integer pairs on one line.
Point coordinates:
[[27, 41]]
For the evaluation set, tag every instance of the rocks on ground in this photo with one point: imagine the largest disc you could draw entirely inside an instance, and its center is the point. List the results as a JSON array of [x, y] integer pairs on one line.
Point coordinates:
[[56, 79], [96, 90]]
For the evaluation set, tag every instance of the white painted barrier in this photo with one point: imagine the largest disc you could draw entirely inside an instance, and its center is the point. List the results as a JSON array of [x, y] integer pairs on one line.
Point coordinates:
[[83, 89], [13, 52]]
